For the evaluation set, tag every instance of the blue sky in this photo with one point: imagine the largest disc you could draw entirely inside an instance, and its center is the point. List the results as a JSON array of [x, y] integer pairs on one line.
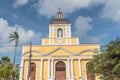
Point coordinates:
[[93, 21]]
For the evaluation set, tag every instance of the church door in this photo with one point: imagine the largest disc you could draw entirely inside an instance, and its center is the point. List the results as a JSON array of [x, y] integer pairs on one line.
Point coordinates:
[[60, 71], [32, 71]]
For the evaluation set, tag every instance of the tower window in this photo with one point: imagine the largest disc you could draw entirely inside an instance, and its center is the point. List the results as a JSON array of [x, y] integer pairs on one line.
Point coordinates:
[[59, 33]]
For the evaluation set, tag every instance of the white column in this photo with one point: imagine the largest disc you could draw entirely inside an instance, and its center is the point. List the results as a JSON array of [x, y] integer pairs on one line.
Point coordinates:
[[70, 40], [77, 41], [68, 69], [48, 68], [70, 31], [52, 69], [53, 35], [42, 41], [50, 32], [21, 69], [53, 31], [66, 40], [80, 69], [72, 72], [66, 32], [41, 71]]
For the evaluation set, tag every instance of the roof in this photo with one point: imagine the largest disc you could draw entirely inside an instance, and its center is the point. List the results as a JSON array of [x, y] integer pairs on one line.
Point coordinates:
[[59, 21]]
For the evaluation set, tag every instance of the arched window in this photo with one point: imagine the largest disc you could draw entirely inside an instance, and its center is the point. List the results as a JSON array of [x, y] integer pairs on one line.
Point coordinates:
[[59, 33]]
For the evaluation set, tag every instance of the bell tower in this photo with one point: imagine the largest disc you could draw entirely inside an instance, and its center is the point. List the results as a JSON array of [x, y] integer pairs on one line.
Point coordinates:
[[60, 32]]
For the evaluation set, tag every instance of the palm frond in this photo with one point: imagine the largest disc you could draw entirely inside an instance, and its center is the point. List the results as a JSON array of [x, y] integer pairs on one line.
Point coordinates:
[[11, 40]]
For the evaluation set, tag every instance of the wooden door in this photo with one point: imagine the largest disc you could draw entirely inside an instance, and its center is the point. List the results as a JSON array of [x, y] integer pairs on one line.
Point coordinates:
[[90, 76], [60, 71], [32, 71]]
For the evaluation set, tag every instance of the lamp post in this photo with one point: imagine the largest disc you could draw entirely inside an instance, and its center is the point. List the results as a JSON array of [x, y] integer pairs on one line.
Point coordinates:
[[29, 65]]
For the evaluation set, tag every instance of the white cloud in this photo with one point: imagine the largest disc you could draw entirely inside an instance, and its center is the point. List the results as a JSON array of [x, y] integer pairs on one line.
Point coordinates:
[[18, 3], [97, 39], [49, 8], [24, 34], [111, 10], [82, 26]]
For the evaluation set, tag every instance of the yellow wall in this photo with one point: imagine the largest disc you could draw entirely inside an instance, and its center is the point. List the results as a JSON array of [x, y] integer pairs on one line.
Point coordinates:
[[45, 68], [59, 52], [76, 70]]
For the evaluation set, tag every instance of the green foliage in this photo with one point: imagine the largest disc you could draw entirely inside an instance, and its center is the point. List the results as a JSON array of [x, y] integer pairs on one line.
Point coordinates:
[[107, 64], [6, 69]]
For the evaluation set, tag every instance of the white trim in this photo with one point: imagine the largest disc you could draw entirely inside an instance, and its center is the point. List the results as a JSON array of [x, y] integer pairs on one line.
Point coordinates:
[[72, 69], [66, 34], [36, 71], [42, 41], [48, 68], [41, 66], [86, 70], [68, 69], [60, 44], [77, 41], [80, 69], [22, 50], [50, 32], [60, 24], [99, 51], [59, 58], [52, 69], [71, 41], [95, 76], [70, 31], [52, 41], [82, 44], [53, 31], [21, 69], [66, 41]]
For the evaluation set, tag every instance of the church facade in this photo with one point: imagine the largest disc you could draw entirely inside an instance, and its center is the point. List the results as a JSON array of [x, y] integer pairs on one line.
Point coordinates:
[[59, 57]]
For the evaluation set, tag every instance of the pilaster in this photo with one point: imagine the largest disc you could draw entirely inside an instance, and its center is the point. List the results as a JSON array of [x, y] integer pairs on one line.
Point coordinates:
[[80, 69], [21, 69], [41, 71]]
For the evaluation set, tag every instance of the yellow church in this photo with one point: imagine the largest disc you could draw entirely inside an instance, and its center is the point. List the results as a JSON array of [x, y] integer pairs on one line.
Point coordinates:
[[59, 57]]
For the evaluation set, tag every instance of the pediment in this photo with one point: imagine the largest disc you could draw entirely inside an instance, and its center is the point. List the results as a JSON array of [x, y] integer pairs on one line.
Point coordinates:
[[33, 53], [88, 52], [60, 52]]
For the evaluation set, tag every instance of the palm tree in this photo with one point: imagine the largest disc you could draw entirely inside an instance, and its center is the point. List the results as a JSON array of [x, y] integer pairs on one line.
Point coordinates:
[[14, 37]]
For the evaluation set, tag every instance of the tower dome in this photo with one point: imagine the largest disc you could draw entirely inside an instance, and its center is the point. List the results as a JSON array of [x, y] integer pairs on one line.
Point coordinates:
[[60, 19]]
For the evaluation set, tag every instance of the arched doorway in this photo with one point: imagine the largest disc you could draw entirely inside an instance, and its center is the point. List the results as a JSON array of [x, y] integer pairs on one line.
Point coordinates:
[[60, 71], [32, 71], [90, 75]]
